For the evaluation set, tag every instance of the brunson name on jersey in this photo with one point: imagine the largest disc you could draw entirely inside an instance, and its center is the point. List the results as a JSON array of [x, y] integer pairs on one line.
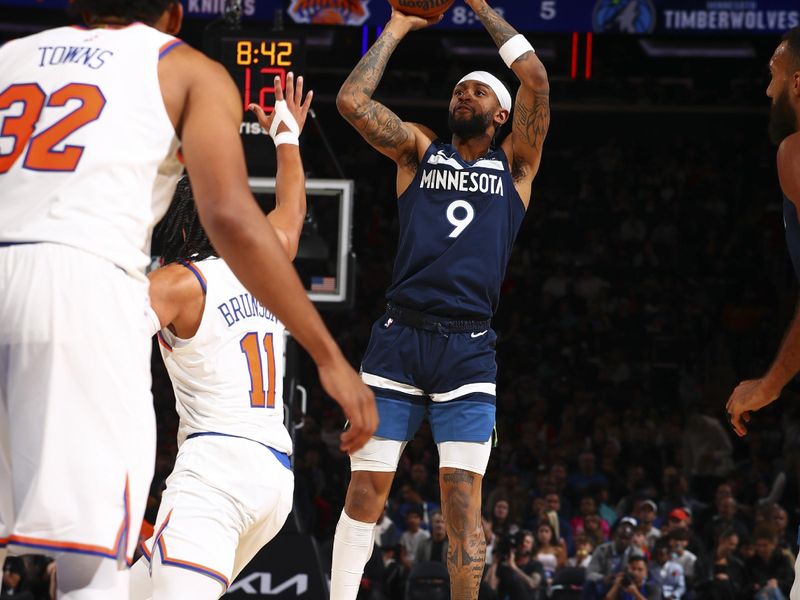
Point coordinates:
[[244, 306]]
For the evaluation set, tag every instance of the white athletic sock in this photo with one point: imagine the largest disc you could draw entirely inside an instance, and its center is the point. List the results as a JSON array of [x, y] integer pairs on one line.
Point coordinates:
[[352, 548]]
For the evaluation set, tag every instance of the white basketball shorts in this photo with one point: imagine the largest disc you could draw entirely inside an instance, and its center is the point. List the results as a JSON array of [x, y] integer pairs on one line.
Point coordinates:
[[225, 499], [77, 428]]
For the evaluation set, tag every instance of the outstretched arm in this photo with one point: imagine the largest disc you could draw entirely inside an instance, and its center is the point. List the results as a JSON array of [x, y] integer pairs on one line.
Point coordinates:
[[531, 117], [290, 181], [378, 125]]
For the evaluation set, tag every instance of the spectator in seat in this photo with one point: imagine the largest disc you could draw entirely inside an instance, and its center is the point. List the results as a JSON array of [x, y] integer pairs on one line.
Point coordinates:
[[413, 535], [721, 575], [678, 542], [609, 560], [645, 512], [632, 584], [548, 551], [667, 573], [583, 552], [434, 548], [769, 573], [514, 574]]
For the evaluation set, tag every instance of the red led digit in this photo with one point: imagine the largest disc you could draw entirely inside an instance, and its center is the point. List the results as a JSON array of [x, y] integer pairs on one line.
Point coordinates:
[[268, 90]]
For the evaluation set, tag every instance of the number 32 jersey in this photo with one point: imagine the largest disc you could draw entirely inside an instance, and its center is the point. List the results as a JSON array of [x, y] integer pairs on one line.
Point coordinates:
[[228, 378], [88, 154], [458, 221]]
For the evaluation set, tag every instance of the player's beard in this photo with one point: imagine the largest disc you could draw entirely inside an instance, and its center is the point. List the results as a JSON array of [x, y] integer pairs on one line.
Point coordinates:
[[470, 127], [782, 119]]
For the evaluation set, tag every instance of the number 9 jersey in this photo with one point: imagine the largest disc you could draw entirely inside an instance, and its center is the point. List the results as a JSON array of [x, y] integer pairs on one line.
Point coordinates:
[[88, 154], [228, 378], [458, 222]]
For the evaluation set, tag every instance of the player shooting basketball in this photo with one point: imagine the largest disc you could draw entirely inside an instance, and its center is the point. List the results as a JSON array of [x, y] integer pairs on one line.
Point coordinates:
[[461, 205]]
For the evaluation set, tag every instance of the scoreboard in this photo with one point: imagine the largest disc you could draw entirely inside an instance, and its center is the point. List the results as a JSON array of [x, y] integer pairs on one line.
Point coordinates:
[[635, 17], [253, 61]]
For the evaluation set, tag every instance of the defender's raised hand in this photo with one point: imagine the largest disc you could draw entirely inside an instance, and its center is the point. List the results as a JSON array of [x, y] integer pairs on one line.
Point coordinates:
[[295, 102]]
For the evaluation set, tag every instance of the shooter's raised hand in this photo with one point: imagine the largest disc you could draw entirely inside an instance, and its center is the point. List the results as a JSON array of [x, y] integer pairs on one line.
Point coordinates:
[[412, 22]]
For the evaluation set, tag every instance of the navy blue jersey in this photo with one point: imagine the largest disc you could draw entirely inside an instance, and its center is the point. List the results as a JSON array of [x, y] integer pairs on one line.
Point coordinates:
[[792, 233], [458, 221]]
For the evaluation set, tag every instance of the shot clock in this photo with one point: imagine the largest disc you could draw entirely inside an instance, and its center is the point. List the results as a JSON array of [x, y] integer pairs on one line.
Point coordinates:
[[254, 61]]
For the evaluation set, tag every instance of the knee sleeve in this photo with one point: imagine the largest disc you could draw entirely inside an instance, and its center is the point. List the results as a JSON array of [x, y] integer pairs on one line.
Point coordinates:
[[377, 455], [469, 456]]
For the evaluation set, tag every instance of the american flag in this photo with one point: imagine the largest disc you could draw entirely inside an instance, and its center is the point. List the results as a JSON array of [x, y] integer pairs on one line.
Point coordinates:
[[323, 284]]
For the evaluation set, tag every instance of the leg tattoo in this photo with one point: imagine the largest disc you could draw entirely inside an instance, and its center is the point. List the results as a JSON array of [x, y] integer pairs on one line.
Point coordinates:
[[466, 553]]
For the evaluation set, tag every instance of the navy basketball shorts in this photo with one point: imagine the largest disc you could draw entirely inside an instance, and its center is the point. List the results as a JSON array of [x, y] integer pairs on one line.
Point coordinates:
[[450, 377]]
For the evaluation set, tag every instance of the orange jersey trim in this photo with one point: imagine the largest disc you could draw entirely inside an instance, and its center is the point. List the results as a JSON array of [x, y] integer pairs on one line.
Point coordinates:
[[64, 546]]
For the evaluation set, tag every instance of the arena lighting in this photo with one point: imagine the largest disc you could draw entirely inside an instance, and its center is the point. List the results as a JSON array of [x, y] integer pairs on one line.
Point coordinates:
[[573, 70], [697, 49], [588, 71], [364, 39]]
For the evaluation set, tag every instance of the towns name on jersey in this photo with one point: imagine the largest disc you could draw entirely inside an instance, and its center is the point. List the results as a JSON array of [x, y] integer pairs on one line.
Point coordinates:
[[94, 58], [244, 306], [461, 181]]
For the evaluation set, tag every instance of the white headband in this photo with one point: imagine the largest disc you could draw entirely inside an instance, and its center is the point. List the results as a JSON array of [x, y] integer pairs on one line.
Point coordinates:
[[494, 83]]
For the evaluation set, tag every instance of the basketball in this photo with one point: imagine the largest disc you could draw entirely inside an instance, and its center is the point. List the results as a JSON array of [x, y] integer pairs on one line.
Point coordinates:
[[426, 9]]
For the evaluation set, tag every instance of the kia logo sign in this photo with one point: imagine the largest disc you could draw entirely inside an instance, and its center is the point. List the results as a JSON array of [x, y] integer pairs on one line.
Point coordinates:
[[260, 583]]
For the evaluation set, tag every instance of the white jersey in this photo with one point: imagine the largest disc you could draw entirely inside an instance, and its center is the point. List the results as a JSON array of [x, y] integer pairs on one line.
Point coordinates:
[[88, 155], [228, 378]]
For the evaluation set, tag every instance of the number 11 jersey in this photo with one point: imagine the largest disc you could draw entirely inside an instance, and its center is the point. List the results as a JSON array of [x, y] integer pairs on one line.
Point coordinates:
[[458, 221], [228, 378]]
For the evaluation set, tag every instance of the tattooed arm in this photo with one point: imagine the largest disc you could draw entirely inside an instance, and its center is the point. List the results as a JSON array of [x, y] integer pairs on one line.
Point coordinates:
[[531, 117], [378, 125]]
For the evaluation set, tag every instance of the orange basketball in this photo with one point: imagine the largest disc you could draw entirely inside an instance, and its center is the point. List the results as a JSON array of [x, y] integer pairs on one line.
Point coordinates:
[[422, 8]]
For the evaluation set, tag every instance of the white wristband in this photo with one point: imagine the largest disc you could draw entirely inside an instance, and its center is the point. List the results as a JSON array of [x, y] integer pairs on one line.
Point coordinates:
[[286, 137], [284, 115], [514, 48]]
